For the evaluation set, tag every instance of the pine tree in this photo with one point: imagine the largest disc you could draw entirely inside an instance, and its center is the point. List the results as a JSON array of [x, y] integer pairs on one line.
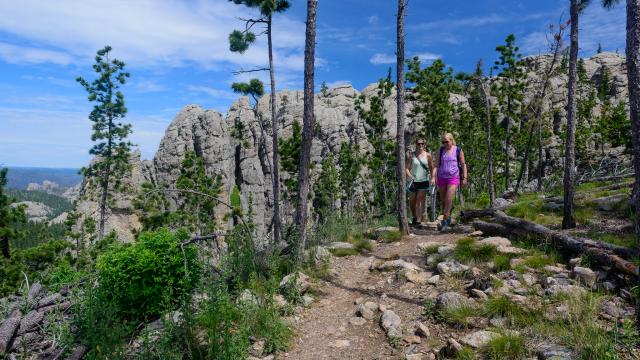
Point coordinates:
[[111, 150], [509, 91], [10, 217], [308, 124], [599, 50], [239, 41]]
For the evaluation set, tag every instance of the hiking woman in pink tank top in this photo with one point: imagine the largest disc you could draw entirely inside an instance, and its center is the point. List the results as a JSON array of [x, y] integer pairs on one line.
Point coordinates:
[[451, 171]]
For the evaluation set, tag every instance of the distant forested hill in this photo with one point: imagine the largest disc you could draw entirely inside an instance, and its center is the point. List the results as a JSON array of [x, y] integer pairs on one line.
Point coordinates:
[[20, 177]]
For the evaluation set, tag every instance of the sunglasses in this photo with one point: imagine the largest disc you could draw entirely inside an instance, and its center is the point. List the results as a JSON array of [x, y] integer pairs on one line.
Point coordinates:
[[445, 141], [419, 144]]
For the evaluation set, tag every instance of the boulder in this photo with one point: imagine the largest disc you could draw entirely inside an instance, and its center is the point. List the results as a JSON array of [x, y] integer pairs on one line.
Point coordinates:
[[548, 351], [451, 267], [610, 203], [302, 283], [496, 241], [452, 300], [390, 322], [417, 277], [478, 339], [584, 275], [393, 265], [340, 245]]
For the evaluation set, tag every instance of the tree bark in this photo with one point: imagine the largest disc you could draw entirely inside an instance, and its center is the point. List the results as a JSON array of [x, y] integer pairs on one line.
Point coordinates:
[[570, 157], [633, 77], [274, 139], [603, 253], [540, 160], [403, 224], [487, 110], [308, 121]]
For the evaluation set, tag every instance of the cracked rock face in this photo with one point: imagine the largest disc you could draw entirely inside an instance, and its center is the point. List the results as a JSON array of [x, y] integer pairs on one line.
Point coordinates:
[[237, 146]]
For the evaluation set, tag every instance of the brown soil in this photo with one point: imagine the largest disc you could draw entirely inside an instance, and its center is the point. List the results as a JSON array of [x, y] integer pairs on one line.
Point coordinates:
[[324, 331]]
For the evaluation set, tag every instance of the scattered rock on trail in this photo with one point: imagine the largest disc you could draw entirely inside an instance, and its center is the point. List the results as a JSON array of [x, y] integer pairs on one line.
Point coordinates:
[[451, 267], [478, 339], [422, 330], [390, 322], [417, 277], [340, 245], [566, 289], [452, 300], [495, 241], [357, 321], [302, 283], [367, 310], [392, 265], [585, 275], [616, 308], [554, 352]]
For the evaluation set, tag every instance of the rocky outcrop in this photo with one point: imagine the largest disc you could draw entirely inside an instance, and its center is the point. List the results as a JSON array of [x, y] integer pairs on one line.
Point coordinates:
[[237, 147], [35, 211]]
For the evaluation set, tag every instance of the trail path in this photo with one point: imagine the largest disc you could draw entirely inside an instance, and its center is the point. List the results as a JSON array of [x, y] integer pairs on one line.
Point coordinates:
[[324, 330]]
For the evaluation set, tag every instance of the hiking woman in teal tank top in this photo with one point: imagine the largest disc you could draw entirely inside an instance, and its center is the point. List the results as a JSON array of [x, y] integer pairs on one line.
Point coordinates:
[[419, 170]]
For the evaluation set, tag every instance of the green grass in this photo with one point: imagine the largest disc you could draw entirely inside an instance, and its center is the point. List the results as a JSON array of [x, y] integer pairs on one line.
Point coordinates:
[[626, 240], [501, 263], [358, 241], [506, 346], [344, 252], [465, 354], [430, 250], [390, 236], [501, 307], [468, 250], [457, 317]]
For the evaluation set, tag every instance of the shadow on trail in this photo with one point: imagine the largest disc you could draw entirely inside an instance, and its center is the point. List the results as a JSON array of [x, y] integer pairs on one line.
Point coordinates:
[[375, 293]]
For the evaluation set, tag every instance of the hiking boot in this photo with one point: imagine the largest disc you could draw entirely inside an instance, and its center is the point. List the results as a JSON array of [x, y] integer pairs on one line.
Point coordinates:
[[415, 222]]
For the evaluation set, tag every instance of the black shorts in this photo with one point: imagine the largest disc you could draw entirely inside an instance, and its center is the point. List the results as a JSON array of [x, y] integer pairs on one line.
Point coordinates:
[[419, 186]]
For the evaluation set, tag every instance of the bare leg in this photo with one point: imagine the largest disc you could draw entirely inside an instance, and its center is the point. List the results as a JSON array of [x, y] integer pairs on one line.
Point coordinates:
[[412, 203], [420, 204], [450, 195], [443, 194]]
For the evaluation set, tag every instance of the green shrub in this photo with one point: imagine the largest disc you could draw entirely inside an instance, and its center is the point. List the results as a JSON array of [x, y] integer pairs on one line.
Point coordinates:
[[465, 354], [501, 263], [150, 276], [468, 250], [32, 262], [63, 274], [507, 346], [391, 236]]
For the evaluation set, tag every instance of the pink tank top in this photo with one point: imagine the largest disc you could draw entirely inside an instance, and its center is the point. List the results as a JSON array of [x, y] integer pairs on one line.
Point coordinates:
[[449, 165]]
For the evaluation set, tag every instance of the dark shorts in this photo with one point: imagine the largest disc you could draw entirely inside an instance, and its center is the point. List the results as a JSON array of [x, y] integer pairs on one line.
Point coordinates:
[[419, 186]]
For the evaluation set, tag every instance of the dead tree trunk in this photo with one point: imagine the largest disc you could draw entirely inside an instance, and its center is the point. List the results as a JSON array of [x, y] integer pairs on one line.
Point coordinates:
[[308, 120], [568, 220], [403, 224], [274, 139]]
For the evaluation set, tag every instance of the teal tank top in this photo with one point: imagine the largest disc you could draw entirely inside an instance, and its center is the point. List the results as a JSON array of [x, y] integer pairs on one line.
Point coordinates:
[[419, 172]]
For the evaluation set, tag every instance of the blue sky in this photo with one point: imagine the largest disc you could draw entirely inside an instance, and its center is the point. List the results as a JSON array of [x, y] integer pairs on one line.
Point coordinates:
[[177, 53]]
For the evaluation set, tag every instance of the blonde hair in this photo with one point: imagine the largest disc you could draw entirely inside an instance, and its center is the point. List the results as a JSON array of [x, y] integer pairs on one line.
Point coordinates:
[[449, 136]]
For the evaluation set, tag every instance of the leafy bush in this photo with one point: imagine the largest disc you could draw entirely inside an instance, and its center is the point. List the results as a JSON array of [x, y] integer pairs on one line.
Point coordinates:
[[150, 276], [507, 346]]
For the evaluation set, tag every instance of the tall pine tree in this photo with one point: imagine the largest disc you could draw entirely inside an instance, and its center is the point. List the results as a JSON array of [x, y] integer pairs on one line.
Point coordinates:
[[9, 217], [111, 149], [239, 41]]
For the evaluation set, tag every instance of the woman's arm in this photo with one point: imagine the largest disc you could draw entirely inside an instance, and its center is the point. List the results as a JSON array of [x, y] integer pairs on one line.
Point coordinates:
[[408, 167], [463, 164], [432, 167]]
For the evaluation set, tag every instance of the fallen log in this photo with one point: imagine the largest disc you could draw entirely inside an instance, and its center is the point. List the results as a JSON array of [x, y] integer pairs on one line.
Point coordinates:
[[603, 253], [493, 229], [605, 178]]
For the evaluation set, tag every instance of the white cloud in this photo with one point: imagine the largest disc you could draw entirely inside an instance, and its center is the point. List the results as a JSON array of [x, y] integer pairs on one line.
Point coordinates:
[[15, 54], [427, 56], [596, 25], [142, 32], [147, 86], [382, 59], [215, 93], [474, 21], [373, 20], [338, 83]]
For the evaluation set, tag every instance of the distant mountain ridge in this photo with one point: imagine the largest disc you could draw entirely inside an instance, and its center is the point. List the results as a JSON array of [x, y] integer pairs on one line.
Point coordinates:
[[21, 177]]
